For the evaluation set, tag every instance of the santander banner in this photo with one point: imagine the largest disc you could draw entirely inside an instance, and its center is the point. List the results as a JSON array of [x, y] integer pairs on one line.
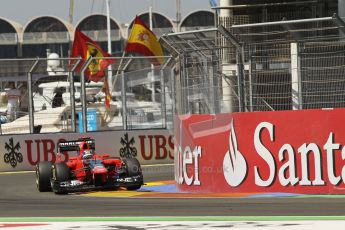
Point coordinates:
[[285, 151]]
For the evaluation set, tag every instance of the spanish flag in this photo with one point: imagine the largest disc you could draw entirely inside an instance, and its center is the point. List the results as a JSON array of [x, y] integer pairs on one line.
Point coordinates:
[[142, 40], [84, 47]]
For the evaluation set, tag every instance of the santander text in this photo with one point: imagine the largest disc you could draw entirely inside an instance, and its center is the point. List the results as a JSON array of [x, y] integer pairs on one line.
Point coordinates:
[[188, 165], [288, 171]]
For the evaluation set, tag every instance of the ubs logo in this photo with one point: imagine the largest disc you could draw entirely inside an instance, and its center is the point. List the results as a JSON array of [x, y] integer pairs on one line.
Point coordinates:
[[12, 156], [234, 164], [128, 150]]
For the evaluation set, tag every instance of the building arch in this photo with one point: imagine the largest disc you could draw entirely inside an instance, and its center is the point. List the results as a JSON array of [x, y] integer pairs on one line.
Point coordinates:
[[9, 38], [95, 27], [199, 19], [46, 34]]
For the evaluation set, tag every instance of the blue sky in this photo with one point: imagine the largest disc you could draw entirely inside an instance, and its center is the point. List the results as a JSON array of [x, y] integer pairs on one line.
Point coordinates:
[[22, 11]]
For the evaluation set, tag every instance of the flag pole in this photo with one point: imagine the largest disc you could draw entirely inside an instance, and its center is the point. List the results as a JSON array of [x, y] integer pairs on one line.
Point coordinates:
[[119, 67], [153, 96], [110, 71]]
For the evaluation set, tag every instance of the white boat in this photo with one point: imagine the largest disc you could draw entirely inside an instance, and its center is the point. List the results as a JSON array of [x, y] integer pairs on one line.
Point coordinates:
[[43, 97]]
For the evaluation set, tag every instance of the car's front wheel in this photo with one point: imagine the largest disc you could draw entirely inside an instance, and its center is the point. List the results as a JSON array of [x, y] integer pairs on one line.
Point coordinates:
[[60, 172], [133, 166], [134, 170], [43, 175]]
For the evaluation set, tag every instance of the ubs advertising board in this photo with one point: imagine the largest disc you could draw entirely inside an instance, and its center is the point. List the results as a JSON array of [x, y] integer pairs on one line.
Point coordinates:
[[23, 152], [285, 151]]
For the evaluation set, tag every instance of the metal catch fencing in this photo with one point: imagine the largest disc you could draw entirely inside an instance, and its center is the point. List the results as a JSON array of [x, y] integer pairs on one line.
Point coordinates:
[[323, 74], [48, 101], [281, 65]]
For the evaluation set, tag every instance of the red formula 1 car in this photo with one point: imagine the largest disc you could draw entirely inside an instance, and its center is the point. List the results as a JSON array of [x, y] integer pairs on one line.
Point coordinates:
[[87, 170]]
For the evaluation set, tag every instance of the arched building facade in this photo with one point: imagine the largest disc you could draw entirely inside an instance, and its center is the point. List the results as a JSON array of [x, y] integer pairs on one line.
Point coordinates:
[[52, 34], [200, 19], [9, 38], [46, 32]]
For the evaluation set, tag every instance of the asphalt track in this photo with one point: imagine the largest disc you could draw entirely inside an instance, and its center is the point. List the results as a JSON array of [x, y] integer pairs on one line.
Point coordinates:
[[20, 198]]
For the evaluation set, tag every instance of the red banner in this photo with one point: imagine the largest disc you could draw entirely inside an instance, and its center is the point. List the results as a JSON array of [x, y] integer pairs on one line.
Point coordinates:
[[286, 151]]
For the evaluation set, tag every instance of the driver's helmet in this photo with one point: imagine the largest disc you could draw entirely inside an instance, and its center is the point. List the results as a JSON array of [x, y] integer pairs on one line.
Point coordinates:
[[87, 154]]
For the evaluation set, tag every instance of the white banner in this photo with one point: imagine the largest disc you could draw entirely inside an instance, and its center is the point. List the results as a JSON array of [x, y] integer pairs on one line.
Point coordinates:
[[23, 152]]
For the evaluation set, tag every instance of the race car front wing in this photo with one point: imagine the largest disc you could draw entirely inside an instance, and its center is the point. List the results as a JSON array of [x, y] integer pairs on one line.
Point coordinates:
[[77, 185]]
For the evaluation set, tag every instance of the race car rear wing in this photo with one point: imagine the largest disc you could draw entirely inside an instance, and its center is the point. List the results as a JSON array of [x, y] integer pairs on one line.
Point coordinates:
[[64, 146]]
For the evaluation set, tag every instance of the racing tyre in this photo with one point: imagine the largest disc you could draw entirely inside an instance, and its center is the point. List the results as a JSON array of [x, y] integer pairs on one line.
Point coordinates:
[[133, 169], [60, 172], [134, 187], [133, 166], [43, 175]]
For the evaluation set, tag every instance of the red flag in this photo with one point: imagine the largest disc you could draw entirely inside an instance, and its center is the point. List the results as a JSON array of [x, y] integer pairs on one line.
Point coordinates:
[[142, 40], [84, 47], [107, 97]]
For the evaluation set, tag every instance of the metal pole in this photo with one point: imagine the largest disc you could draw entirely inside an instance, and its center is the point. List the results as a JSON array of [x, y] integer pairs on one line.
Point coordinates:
[[71, 11], [295, 78], [110, 71], [250, 85], [225, 12], [178, 12], [163, 105], [123, 96], [31, 102], [173, 92], [163, 96], [72, 94], [240, 79], [265, 5], [275, 23], [189, 32], [182, 86], [227, 92], [210, 76], [83, 93]]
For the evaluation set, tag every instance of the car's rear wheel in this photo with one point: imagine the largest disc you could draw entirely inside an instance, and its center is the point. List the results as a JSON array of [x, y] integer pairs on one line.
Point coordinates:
[[43, 175], [60, 173]]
